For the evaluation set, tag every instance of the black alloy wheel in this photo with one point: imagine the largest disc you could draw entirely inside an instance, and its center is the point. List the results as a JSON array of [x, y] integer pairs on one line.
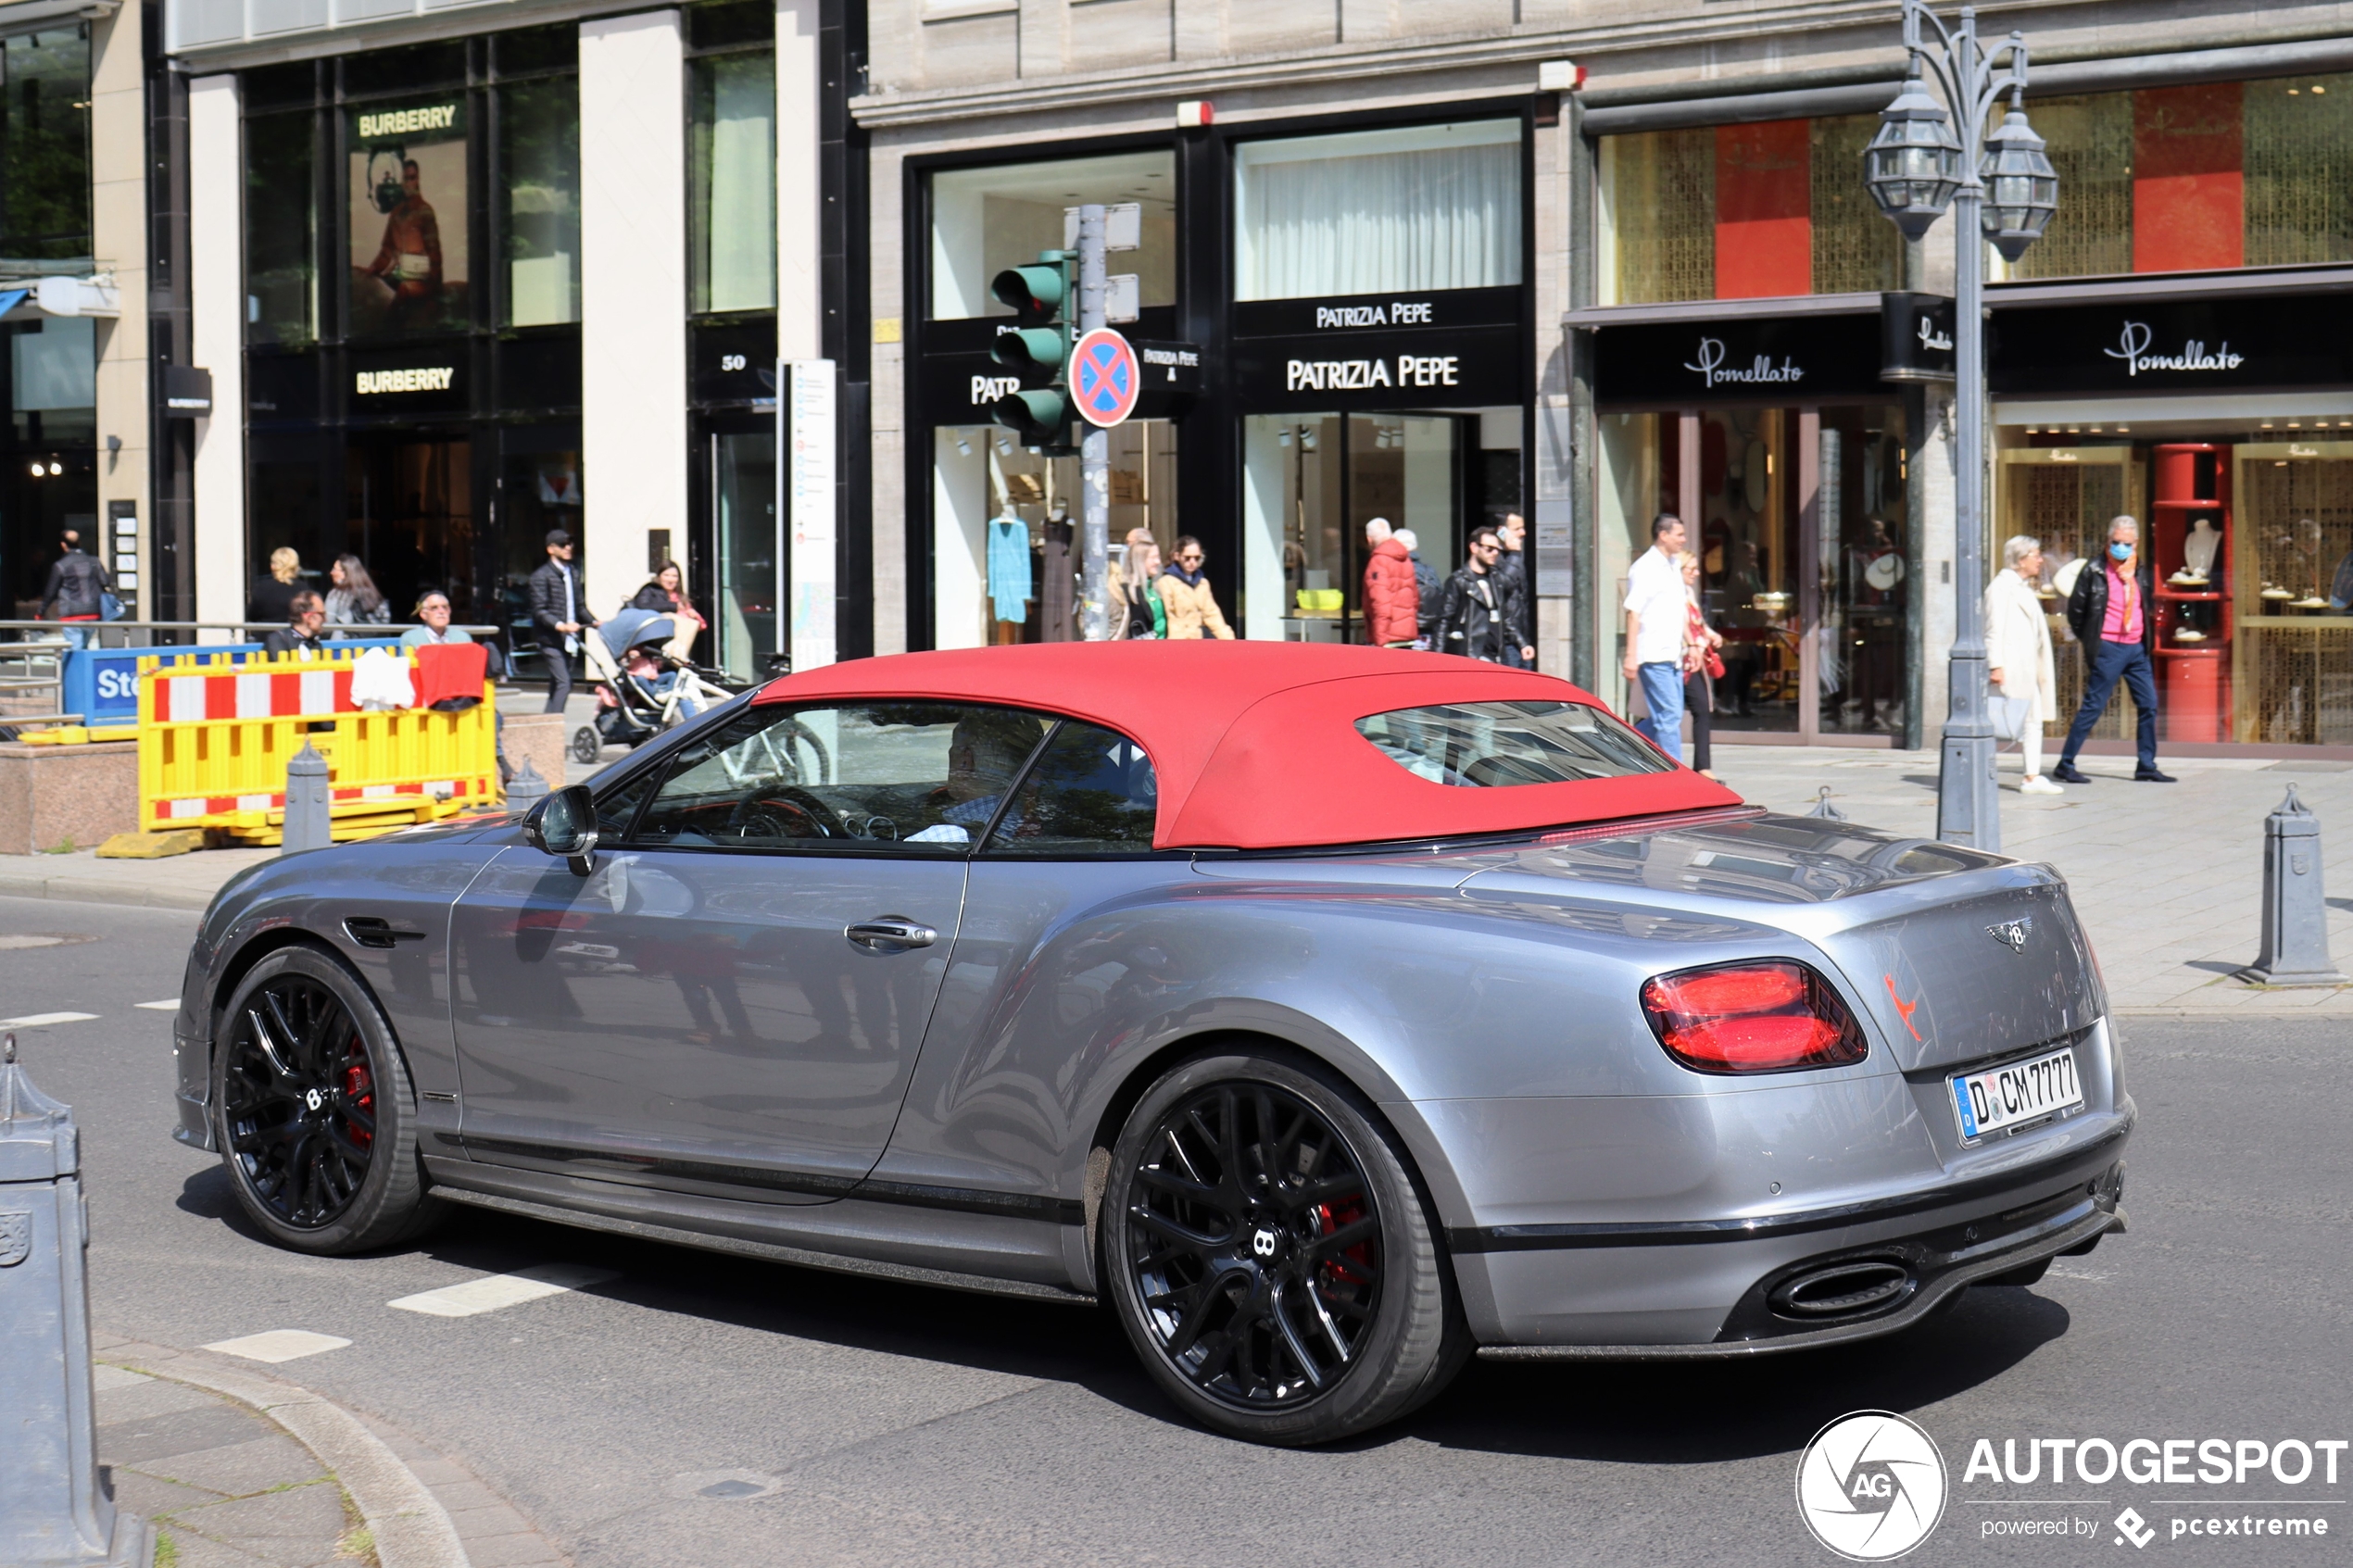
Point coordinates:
[[1270, 1257], [311, 1105]]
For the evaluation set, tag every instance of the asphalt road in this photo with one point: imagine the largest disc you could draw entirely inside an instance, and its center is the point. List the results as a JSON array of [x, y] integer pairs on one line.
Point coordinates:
[[878, 1423]]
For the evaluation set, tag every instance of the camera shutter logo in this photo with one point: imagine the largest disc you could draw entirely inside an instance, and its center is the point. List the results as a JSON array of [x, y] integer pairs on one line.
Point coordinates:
[[1870, 1485]]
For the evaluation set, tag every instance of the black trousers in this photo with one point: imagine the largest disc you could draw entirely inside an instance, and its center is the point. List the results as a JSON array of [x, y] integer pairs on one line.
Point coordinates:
[[558, 673], [1698, 698]]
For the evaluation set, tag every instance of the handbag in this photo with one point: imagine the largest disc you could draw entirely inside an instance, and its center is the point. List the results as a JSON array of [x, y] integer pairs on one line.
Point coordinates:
[[1715, 664]]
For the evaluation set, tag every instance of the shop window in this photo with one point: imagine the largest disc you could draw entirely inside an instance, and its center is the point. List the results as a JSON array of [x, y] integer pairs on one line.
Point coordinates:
[[405, 184], [1744, 212], [984, 221], [539, 132], [2091, 146], [280, 229], [2299, 171], [54, 367], [1423, 207], [44, 146], [734, 179], [1005, 553]]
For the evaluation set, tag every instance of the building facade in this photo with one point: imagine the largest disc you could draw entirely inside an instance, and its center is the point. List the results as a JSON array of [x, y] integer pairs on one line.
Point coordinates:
[[460, 278], [1648, 280]]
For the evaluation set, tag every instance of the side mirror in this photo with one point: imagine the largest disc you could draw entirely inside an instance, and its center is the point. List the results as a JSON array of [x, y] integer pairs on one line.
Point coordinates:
[[565, 825]]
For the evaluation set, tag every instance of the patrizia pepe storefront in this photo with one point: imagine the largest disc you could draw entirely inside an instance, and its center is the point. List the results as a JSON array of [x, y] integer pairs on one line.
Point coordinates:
[[2218, 409], [1333, 321], [1782, 432]]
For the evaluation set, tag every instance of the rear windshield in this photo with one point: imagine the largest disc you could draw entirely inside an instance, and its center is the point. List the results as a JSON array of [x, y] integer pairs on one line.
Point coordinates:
[[1495, 745]]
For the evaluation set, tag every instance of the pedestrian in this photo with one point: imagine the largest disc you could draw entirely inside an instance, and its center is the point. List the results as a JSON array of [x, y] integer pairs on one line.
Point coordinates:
[[1188, 600], [1519, 588], [1429, 588], [665, 591], [1701, 666], [1392, 599], [272, 598], [300, 633], [353, 598], [1137, 614], [558, 610], [2108, 614], [433, 622], [77, 589], [1470, 610], [1655, 618], [2017, 657]]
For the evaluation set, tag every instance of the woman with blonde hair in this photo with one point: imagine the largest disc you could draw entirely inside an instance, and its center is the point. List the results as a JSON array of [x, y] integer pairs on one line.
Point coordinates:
[[271, 600], [1702, 665], [1135, 602], [2017, 657]]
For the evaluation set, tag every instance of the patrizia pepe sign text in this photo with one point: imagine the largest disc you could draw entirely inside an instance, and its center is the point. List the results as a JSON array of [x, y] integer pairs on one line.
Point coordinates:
[[2133, 349]]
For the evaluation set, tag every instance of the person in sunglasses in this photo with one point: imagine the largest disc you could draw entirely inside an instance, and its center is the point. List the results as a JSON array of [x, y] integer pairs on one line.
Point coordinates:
[[1186, 597], [1470, 612]]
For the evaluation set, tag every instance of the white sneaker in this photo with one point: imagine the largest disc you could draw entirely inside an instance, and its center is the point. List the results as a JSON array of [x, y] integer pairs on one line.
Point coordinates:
[[2038, 785]]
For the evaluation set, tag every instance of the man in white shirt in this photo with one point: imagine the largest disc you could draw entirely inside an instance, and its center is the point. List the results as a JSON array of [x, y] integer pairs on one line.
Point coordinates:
[[1654, 625]]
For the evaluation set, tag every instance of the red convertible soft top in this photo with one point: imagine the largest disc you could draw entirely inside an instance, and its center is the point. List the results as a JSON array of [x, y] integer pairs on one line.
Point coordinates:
[[1254, 744]]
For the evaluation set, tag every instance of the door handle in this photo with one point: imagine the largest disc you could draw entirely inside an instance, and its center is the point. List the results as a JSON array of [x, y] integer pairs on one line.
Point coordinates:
[[375, 931], [890, 934]]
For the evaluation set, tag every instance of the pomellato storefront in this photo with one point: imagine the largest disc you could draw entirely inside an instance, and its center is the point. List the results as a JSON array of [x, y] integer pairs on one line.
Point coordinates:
[[2218, 409], [1780, 430]]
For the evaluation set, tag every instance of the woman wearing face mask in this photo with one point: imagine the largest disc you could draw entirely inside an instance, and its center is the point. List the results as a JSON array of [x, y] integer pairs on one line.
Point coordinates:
[[2111, 615]]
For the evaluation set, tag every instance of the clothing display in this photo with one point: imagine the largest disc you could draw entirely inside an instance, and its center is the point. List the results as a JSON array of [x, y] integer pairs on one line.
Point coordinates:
[[1010, 584]]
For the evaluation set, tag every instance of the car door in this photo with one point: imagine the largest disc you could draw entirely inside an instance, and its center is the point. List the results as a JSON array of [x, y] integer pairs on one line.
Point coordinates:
[[731, 1001]]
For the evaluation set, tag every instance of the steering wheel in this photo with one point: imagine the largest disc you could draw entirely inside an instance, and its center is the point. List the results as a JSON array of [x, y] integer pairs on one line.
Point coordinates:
[[790, 813]]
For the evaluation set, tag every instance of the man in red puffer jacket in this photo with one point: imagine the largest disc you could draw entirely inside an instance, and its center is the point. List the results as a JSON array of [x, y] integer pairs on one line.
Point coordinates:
[[1392, 603]]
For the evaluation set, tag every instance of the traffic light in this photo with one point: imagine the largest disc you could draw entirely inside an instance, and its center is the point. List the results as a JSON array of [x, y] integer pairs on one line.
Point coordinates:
[[1040, 294]]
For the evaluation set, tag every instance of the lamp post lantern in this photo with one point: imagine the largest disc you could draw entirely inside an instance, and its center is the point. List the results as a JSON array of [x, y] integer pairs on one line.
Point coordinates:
[[2002, 188]]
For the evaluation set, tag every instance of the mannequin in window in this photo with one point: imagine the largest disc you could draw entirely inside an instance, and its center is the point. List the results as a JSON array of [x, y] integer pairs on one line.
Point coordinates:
[[2199, 549]]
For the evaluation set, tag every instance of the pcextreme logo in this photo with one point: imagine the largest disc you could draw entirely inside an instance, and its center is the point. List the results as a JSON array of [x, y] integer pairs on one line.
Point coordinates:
[[1870, 1485]]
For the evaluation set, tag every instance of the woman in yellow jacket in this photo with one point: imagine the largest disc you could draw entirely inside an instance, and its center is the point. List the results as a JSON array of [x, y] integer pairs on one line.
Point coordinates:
[[1185, 594]]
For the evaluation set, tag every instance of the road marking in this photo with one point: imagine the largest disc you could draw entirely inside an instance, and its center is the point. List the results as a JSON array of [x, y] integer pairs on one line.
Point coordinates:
[[279, 1345], [42, 1020], [495, 1291], [21, 941], [172, 1005]]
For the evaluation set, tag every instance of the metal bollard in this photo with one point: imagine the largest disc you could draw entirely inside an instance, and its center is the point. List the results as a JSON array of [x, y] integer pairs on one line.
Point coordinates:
[[310, 822], [2296, 917], [55, 1507], [1822, 807], [526, 789]]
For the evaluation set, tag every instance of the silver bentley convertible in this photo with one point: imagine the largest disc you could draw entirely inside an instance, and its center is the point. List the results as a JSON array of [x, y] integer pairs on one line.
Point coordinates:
[[1332, 1014]]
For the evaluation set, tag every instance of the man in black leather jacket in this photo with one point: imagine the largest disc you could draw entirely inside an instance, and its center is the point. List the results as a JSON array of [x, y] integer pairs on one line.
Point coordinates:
[[76, 583], [2115, 652], [1471, 607], [558, 611], [1519, 594]]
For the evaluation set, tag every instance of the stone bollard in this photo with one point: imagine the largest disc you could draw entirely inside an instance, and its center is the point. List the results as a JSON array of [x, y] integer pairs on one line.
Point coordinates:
[[311, 821], [55, 1507], [526, 789], [2296, 917]]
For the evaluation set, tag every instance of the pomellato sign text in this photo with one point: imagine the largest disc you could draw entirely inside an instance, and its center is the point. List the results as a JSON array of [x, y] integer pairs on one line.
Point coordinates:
[[1760, 370], [2133, 347]]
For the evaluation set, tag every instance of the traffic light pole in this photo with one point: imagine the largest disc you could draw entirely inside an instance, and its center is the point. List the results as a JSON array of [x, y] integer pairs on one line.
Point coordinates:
[[1094, 448]]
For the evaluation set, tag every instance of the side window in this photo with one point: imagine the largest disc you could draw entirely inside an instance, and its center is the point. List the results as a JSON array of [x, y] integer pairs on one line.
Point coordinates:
[[911, 777], [616, 806], [1090, 792]]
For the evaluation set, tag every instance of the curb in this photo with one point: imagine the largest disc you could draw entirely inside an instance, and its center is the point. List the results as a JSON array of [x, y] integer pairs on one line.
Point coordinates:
[[84, 889], [411, 1527]]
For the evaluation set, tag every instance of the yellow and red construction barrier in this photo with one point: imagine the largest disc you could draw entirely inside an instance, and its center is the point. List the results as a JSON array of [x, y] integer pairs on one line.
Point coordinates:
[[215, 736]]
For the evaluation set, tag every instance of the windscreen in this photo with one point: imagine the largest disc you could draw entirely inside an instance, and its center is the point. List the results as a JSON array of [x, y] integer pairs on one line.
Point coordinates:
[[1497, 745]]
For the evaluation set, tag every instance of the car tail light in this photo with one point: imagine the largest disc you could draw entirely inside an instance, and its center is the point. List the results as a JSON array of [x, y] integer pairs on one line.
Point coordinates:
[[1769, 1015]]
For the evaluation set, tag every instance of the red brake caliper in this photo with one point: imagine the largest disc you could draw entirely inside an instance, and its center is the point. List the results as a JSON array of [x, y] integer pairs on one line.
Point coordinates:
[[359, 1090], [1354, 1265]]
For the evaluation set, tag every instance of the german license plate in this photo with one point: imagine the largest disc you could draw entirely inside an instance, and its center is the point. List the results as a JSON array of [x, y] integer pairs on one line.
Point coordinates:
[[2013, 1095]]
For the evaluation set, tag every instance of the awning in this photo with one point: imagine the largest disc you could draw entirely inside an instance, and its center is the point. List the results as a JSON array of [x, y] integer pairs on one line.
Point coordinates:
[[11, 298]]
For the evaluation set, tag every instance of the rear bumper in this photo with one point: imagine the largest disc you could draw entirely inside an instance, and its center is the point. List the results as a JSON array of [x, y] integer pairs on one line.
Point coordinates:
[[1710, 1290]]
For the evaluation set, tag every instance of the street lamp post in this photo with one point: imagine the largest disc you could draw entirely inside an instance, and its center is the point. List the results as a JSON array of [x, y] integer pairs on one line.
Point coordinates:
[[2002, 182]]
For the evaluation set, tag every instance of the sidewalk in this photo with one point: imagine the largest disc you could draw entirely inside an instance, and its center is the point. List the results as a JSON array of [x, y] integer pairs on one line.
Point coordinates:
[[237, 1469], [2168, 878]]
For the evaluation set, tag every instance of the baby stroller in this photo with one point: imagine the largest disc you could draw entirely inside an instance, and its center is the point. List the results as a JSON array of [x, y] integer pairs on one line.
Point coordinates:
[[644, 679]]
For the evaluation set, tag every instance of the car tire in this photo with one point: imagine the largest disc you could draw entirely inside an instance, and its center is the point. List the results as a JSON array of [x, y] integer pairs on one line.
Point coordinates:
[[313, 1111], [1238, 1292]]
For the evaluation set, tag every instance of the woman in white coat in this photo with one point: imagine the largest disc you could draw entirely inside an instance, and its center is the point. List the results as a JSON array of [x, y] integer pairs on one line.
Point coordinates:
[[2017, 657]]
